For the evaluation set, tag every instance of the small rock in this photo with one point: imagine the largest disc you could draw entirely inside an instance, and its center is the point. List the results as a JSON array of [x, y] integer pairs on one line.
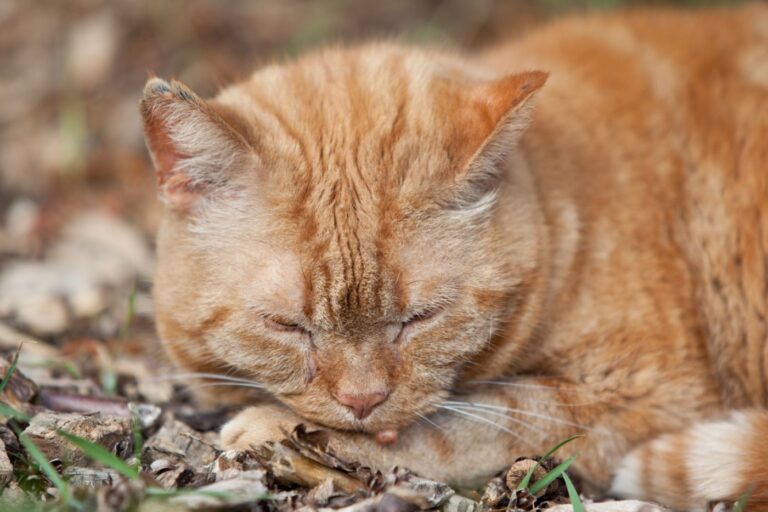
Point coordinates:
[[177, 442], [435, 493], [90, 477], [174, 475], [6, 468], [247, 487], [124, 495], [234, 460], [613, 506], [457, 503], [42, 314], [87, 302], [391, 502], [147, 414], [112, 432]]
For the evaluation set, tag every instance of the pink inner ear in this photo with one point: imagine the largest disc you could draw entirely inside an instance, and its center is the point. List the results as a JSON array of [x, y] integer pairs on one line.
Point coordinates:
[[179, 191], [162, 148]]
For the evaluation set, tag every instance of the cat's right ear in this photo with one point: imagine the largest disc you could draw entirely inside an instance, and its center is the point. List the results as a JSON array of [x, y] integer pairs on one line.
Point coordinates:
[[192, 146]]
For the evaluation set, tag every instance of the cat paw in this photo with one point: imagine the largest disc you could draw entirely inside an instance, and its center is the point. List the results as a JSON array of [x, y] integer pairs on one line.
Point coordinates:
[[256, 425]]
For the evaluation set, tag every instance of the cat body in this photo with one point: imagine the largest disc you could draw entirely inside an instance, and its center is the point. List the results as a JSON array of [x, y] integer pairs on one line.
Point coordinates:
[[486, 258]]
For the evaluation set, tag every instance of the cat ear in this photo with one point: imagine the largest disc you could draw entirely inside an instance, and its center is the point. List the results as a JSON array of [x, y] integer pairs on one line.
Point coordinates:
[[193, 147], [505, 106]]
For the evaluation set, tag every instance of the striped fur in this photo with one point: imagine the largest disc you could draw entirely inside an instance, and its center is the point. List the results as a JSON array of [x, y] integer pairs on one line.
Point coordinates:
[[508, 261]]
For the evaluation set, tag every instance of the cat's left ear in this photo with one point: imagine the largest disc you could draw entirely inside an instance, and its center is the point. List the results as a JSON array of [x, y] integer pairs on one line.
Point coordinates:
[[504, 105], [194, 146]]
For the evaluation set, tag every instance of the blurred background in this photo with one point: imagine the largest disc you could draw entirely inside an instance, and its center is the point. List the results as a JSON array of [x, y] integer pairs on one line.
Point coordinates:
[[77, 198]]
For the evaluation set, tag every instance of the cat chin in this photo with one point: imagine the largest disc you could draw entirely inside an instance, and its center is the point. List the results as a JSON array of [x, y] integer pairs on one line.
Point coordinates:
[[371, 425]]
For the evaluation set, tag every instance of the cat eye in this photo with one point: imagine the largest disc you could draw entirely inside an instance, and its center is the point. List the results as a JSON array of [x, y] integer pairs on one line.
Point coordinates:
[[420, 317], [283, 325]]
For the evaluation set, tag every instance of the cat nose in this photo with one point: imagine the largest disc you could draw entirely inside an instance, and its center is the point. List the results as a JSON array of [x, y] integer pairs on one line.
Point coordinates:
[[362, 405]]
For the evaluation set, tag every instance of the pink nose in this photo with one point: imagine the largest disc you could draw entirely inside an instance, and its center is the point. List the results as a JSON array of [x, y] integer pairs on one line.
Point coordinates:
[[362, 405]]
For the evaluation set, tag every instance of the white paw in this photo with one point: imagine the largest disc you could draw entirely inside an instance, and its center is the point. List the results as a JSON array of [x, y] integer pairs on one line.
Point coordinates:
[[256, 425]]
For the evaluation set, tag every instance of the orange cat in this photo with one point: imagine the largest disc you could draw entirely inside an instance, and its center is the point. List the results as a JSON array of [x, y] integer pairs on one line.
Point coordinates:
[[486, 258]]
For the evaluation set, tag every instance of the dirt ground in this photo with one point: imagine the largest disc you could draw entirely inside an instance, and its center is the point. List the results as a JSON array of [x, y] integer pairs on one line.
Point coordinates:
[[77, 215]]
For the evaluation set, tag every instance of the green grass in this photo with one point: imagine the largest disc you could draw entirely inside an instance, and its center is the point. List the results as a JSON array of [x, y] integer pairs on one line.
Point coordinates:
[[557, 472], [48, 470], [101, 455], [573, 494], [741, 505], [11, 369], [525, 482]]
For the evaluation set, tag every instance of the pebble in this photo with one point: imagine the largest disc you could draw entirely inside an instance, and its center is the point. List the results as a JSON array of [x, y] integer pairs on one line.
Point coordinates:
[[112, 432], [6, 468]]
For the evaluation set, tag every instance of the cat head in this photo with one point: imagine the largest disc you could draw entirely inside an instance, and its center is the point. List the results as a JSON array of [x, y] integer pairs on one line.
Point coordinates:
[[333, 229]]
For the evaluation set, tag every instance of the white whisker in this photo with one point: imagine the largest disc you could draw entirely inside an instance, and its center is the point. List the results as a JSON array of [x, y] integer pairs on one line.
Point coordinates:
[[423, 417], [481, 419], [193, 375], [502, 415], [526, 385], [520, 411], [226, 384]]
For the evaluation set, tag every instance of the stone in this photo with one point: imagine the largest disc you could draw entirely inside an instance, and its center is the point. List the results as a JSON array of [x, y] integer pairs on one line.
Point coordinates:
[[613, 506], [90, 477], [42, 315], [112, 432], [6, 468], [458, 503], [177, 442], [247, 487]]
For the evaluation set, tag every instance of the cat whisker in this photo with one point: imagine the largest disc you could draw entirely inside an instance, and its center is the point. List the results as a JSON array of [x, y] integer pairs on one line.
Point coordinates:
[[197, 375], [480, 419], [519, 411], [426, 419], [502, 415], [225, 384], [526, 385], [544, 388]]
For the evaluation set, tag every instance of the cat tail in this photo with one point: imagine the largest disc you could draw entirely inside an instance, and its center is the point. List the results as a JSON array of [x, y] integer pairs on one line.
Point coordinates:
[[723, 460]]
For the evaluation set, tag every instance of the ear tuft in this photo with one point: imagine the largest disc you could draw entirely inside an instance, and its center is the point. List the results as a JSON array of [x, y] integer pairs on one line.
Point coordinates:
[[155, 86]]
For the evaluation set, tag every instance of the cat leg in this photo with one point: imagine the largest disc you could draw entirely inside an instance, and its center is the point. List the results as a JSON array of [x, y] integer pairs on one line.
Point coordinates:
[[258, 424], [465, 441], [709, 461]]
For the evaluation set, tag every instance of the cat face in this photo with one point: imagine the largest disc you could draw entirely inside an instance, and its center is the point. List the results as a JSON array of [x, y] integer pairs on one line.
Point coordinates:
[[332, 230]]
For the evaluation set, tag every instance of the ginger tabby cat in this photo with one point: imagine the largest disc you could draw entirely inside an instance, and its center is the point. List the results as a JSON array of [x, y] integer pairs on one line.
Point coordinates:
[[482, 255]]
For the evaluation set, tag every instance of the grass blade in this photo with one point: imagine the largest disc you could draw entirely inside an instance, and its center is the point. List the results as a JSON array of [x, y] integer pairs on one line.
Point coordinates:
[[101, 455], [130, 312], [527, 479], [553, 475], [573, 494], [138, 439], [11, 369], [45, 466], [741, 505], [7, 411]]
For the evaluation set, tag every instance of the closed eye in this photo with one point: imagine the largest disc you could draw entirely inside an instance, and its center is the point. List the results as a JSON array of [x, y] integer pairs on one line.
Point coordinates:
[[283, 325], [422, 316]]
